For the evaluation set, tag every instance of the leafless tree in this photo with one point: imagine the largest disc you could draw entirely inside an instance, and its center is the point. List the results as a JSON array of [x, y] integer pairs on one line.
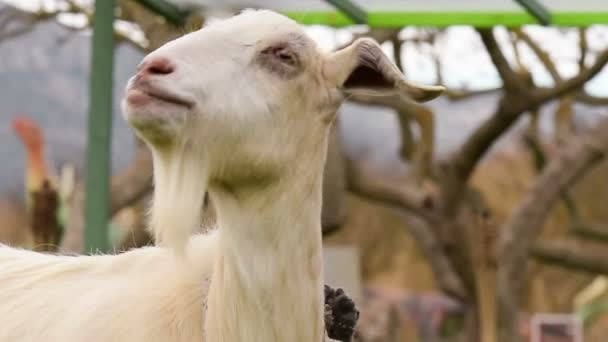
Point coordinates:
[[440, 221]]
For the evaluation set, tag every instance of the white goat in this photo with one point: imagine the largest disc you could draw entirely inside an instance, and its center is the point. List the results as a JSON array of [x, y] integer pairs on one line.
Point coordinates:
[[240, 109]]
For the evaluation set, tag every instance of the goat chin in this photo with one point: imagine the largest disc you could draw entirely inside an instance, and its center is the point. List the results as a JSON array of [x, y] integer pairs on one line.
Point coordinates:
[[146, 294]]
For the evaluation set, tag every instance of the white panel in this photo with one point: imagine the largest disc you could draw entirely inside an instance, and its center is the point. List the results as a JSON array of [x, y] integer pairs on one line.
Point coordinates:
[[279, 5], [342, 268], [575, 5], [440, 5], [401, 5]]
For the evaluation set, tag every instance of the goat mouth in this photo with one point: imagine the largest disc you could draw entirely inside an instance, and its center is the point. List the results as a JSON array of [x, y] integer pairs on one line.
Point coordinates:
[[144, 95]]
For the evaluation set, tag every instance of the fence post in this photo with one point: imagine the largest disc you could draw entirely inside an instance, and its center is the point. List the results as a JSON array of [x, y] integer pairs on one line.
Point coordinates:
[[99, 128]]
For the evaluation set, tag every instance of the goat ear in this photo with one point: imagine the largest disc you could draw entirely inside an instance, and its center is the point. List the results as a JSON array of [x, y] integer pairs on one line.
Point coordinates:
[[362, 68]]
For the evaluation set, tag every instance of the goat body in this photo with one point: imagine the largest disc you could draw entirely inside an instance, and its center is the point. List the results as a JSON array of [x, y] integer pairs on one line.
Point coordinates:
[[146, 294]]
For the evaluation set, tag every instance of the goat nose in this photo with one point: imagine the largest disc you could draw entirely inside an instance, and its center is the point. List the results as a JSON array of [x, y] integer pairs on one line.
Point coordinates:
[[157, 66]]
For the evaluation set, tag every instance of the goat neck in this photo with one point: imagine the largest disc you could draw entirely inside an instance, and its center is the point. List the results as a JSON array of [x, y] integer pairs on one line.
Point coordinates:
[[267, 281]]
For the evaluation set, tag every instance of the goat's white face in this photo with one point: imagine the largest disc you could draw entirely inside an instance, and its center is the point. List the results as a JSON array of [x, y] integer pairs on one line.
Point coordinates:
[[252, 90]]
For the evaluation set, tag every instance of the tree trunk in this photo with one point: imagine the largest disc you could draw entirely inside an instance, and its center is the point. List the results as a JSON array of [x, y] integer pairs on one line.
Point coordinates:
[[471, 325]]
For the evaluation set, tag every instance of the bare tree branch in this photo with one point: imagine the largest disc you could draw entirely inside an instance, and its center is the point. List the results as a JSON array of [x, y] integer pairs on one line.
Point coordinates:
[[568, 255], [73, 238], [408, 144], [523, 227], [403, 108], [126, 188], [367, 183], [14, 22], [379, 35], [395, 102], [458, 169], [541, 96], [511, 80], [508, 111], [443, 269], [451, 93], [591, 100], [421, 152], [583, 47], [543, 56], [133, 183], [6, 35], [545, 59], [397, 46], [380, 188], [407, 137], [463, 94], [591, 231], [514, 40]]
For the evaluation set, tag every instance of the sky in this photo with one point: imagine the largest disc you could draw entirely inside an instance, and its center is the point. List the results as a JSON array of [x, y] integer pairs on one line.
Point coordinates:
[[464, 60]]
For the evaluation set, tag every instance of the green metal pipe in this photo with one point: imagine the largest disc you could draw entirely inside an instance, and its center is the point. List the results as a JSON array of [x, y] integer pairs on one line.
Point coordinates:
[[537, 10], [400, 19], [100, 128], [356, 13]]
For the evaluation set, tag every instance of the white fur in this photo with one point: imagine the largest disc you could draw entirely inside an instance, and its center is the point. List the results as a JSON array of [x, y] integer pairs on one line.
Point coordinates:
[[141, 295], [254, 138]]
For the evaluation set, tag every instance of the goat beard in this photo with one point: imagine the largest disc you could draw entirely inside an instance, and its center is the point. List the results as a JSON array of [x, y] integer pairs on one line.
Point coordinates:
[[180, 183]]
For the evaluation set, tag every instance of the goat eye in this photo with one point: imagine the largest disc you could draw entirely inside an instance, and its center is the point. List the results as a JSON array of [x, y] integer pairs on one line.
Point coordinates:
[[280, 60], [285, 55]]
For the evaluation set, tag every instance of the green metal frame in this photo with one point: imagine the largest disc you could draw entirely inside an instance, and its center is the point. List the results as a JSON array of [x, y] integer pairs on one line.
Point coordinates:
[[169, 11], [537, 10], [397, 19], [100, 128], [356, 13]]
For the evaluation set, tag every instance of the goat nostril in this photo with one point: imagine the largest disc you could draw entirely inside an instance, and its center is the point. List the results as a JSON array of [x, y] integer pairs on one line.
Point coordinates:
[[159, 66]]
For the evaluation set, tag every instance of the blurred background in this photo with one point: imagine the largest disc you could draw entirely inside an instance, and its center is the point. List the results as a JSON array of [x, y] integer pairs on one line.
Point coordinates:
[[479, 216]]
